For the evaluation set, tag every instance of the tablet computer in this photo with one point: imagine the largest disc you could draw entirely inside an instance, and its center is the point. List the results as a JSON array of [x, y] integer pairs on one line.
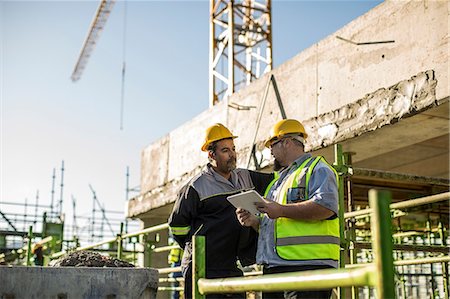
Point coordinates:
[[246, 200]]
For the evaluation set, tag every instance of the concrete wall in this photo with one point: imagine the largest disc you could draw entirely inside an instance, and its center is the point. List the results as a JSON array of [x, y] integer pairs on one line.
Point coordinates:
[[319, 82], [77, 282]]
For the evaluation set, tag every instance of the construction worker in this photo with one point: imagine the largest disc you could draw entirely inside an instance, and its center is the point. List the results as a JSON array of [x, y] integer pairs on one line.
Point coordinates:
[[37, 250], [174, 260], [202, 209], [299, 229]]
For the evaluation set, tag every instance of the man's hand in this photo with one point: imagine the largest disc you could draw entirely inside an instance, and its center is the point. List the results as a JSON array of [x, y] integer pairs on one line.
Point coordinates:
[[271, 208], [306, 210], [247, 219]]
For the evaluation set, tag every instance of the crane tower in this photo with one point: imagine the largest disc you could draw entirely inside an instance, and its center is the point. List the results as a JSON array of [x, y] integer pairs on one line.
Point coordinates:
[[240, 45]]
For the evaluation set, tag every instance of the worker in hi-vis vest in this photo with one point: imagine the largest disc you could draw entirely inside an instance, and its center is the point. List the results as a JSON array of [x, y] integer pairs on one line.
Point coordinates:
[[202, 209], [174, 260], [299, 226]]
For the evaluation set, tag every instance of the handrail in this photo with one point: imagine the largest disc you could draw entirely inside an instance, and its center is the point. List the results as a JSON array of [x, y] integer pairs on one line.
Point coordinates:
[[404, 204], [147, 230], [311, 280], [427, 260]]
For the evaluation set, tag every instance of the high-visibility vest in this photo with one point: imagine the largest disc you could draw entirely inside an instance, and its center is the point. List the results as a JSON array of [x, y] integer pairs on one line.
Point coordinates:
[[175, 255], [304, 240]]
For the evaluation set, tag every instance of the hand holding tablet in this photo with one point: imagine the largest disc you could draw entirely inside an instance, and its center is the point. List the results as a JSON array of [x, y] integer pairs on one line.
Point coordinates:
[[246, 200]]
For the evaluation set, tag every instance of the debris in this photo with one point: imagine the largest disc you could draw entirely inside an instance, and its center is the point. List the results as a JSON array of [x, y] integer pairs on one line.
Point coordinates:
[[88, 259]]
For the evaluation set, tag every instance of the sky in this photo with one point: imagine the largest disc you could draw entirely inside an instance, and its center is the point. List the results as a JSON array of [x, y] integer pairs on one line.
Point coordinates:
[[46, 118]]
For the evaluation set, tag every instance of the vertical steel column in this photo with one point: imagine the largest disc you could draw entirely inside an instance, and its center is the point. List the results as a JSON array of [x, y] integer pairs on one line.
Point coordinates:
[[120, 242], [432, 279], [134, 251], [198, 264], [30, 240], [351, 232], [230, 90], [212, 49], [148, 250], [403, 277], [341, 170], [443, 237], [381, 227]]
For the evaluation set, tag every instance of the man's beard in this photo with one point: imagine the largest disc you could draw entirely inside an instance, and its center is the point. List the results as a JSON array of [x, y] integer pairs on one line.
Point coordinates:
[[276, 165], [231, 164]]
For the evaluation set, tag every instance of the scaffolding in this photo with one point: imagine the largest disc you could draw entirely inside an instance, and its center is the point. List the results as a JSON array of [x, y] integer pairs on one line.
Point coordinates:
[[420, 221], [26, 222], [240, 45]]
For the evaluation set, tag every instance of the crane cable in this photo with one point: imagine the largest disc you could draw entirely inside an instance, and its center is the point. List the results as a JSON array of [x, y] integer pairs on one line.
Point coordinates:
[[122, 98]]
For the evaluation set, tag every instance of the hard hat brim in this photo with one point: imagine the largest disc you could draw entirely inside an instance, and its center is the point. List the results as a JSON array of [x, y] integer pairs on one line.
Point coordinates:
[[206, 144]]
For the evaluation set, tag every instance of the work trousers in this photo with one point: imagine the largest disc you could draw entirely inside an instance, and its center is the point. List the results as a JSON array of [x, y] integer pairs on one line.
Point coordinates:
[[317, 294], [187, 273]]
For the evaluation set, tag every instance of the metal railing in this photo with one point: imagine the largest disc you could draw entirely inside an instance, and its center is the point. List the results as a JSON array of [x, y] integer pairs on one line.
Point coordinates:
[[350, 275], [379, 275]]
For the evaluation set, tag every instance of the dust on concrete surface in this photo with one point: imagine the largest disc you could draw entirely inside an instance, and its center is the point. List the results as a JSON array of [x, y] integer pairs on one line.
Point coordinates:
[[88, 259]]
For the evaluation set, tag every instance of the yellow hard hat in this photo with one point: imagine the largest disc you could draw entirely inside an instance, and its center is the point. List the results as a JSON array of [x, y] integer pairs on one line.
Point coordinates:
[[35, 247], [215, 133], [285, 127]]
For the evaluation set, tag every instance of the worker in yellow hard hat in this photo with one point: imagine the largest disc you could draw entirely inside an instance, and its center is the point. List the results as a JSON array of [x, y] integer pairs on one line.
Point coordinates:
[[174, 260], [37, 250], [300, 228], [202, 209]]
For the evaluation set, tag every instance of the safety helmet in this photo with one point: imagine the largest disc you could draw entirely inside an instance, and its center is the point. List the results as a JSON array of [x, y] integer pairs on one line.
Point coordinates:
[[35, 247], [215, 133], [285, 127]]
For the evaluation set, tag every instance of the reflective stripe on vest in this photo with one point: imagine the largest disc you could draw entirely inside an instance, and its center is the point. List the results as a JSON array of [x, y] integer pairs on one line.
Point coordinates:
[[276, 176], [305, 240]]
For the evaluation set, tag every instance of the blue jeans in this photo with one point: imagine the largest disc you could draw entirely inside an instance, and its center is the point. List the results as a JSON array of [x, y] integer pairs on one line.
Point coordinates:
[[175, 294]]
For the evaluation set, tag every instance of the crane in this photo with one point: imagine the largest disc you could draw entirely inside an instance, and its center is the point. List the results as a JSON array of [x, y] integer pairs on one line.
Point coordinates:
[[240, 44], [97, 25]]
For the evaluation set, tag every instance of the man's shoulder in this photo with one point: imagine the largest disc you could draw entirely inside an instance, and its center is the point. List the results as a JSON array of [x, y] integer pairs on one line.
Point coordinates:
[[199, 178], [242, 171], [324, 170]]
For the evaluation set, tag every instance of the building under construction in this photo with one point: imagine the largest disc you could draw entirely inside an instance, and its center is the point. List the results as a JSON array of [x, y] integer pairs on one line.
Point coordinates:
[[374, 99], [379, 87]]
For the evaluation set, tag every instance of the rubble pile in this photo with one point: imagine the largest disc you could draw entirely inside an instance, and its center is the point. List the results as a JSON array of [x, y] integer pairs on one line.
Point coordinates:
[[88, 259]]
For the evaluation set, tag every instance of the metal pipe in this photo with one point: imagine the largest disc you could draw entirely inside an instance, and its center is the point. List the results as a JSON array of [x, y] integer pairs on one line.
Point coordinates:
[[408, 247], [388, 175], [120, 242], [381, 226], [231, 55], [339, 165], [311, 280], [170, 289], [427, 260], [165, 248], [171, 279], [30, 239], [198, 265], [258, 120], [404, 204], [107, 241], [444, 265], [169, 270], [147, 230]]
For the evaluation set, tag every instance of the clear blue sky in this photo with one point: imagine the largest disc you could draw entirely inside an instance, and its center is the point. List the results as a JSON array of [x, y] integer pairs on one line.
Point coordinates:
[[46, 118]]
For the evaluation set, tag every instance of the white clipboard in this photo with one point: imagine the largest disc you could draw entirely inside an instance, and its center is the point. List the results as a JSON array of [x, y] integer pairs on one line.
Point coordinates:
[[246, 200]]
